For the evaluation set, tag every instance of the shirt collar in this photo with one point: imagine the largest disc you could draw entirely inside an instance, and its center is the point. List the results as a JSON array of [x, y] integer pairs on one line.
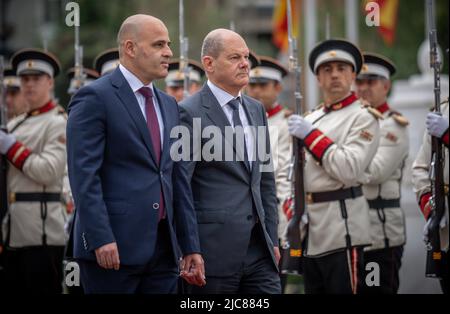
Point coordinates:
[[273, 111], [45, 108], [383, 108], [134, 82], [342, 103], [222, 96]]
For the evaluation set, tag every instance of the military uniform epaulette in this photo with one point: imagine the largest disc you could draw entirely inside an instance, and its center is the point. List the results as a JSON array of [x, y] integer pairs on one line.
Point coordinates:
[[378, 115], [399, 118]]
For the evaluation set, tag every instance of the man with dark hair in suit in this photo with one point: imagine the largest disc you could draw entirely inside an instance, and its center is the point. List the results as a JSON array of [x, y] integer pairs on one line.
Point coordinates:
[[134, 209], [234, 199]]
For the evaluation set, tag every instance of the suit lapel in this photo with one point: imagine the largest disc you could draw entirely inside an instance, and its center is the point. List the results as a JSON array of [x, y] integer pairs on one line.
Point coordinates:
[[128, 99], [215, 113], [165, 153], [213, 110], [251, 116]]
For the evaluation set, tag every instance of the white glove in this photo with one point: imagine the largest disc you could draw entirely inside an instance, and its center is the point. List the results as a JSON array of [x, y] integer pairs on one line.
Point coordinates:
[[299, 127], [436, 124], [6, 141]]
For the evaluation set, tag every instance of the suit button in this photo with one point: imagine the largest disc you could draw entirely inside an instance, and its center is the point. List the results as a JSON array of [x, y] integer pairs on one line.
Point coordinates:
[[249, 217], [161, 174], [155, 206]]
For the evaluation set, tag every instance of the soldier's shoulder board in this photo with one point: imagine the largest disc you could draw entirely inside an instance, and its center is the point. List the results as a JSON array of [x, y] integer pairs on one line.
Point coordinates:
[[319, 106], [399, 118], [62, 112], [307, 113], [378, 115]]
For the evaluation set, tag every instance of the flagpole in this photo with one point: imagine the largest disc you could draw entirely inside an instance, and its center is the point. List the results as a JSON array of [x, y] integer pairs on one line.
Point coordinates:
[[351, 20], [310, 17]]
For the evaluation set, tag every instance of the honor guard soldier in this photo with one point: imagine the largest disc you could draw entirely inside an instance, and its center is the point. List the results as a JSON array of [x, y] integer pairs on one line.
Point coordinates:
[[14, 99], [341, 138], [265, 86], [107, 61], [175, 79], [438, 126], [383, 177], [90, 76], [36, 149]]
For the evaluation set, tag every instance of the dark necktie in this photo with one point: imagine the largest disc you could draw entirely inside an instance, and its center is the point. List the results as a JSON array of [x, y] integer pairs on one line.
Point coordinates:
[[155, 134], [234, 105]]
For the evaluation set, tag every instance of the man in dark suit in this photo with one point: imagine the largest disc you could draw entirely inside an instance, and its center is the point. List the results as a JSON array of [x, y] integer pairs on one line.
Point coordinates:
[[234, 198], [134, 210]]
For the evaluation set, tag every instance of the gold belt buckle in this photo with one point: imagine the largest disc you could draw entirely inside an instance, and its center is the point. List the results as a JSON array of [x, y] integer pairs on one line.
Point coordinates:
[[446, 189], [309, 198], [12, 197]]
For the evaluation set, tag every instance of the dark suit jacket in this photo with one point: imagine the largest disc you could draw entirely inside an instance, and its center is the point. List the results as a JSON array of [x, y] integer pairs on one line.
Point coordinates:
[[226, 194], [115, 180]]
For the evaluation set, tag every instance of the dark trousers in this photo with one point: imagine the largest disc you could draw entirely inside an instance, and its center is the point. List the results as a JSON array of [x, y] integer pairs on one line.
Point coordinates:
[[389, 260], [3, 287], [257, 274], [34, 270], [334, 273], [444, 280], [158, 276], [283, 277]]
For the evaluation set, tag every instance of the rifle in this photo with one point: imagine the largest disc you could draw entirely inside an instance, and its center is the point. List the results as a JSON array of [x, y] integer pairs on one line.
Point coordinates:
[[184, 46], [292, 253], [79, 75], [3, 160], [434, 265]]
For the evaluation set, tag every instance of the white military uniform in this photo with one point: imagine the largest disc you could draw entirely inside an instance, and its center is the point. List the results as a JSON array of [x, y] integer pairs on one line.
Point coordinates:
[[421, 177], [383, 181], [281, 147], [339, 152], [37, 165]]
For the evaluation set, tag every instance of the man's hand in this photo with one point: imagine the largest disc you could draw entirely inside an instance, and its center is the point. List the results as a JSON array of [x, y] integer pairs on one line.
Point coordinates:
[[276, 250], [193, 269], [436, 124], [108, 256], [299, 127], [6, 141]]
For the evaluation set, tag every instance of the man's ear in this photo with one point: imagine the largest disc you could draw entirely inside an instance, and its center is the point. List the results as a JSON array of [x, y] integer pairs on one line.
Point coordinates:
[[208, 64], [129, 49], [51, 81], [278, 87], [387, 86]]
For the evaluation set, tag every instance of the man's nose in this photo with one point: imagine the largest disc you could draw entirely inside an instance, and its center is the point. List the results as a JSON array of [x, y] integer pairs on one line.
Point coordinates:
[[168, 52], [245, 63]]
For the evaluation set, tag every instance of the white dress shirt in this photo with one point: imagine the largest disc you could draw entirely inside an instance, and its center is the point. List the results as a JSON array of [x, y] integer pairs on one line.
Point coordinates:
[[135, 85], [223, 98]]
